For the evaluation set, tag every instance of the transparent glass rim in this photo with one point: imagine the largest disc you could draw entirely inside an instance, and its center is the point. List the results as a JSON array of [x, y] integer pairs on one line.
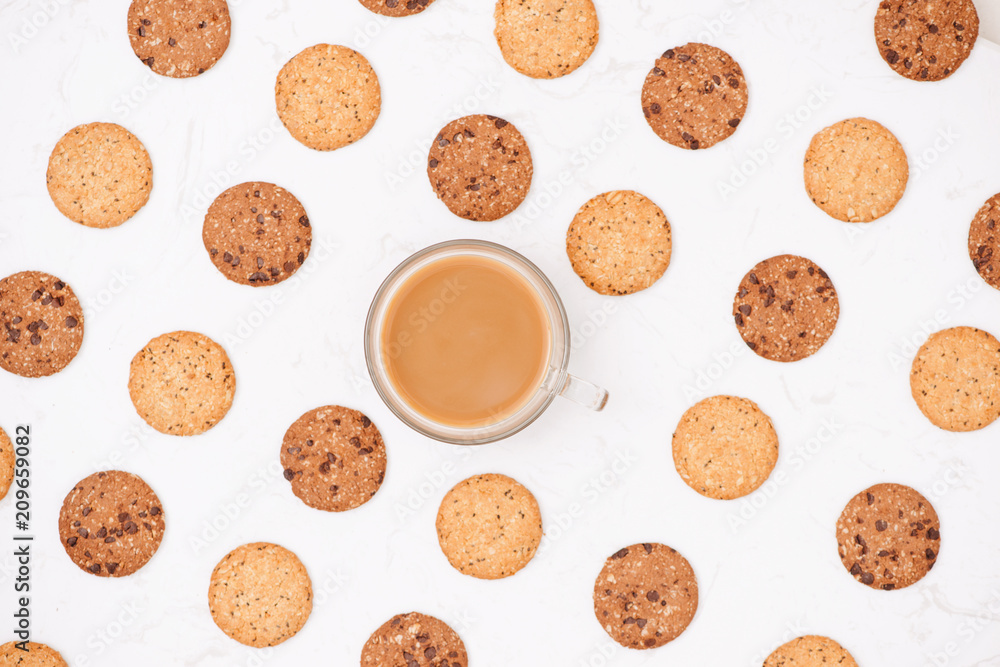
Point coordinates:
[[559, 344]]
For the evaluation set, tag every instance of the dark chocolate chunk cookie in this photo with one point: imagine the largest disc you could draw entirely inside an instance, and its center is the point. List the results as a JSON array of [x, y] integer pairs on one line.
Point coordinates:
[[111, 523], [695, 96], [257, 234], [480, 167], [786, 308], [179, 38], [42, 324], [889, 536], [926, 40], [645, 596], [334, 457], [396, 7], [414, 640], [984, 241]]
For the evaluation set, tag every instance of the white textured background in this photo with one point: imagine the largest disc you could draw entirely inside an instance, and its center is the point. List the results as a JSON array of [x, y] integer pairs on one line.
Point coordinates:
[[767, 566]]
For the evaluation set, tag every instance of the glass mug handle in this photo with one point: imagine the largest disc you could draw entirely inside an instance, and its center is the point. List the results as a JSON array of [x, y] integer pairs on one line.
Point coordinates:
[[584, 393]]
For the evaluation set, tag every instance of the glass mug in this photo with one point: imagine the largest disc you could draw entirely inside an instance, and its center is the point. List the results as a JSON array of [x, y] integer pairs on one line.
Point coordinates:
[[384, 344]]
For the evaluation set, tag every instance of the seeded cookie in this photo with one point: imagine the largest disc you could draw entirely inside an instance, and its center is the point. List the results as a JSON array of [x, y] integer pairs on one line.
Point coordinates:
[[182, 383], [396, 7], [645, 596], [257, 234], [99, 175], [414, 640], [786, 308], [619, 243], [489, 526], [923, 40], [179, 38], [888, 536], [856, 170], [334, 457], [37, 655], [955, 379], [42, 324], [810, 651], [328, 96], [480, 167], [725, 447], [984, 241], [111, 523], [7, 462], [546, 39], [260, 594], [695, 96]]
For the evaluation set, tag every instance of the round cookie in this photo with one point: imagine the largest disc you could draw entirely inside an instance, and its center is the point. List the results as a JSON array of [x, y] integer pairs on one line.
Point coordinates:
[[8, 461], [414, 640], [111, 523], [334, 458], [984, 241], [182, 383], [257, 234], [396, 7], [695, 96], [926, 41], [42, 324], [480, 167], [786, 308], [810, 651], [725, 447], [619, 243], [179, 38], [856, 170], [328, 96], [955, 379], [489, 526], [260, 594], [37, 655], [99, 175], [888, 536], [546, 39], [645, 596]]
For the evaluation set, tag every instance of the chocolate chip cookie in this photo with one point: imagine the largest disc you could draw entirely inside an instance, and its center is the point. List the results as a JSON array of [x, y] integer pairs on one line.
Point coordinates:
[[182, 383], [328, 97], [619, 243], [888, 536], [99, 175], [111, 523], [955, 379], [984, 241], [645, 596], [695, 96], [334, 458], [179, 38], [489, 526], [480, 167], [810, 651], [414, 640], [260, 594], [924, 40], [396, 7], [42, 324], [257, 234], [546, 39]]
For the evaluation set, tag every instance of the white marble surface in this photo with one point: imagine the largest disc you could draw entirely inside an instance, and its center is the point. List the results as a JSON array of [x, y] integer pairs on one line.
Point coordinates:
[[768, 566]]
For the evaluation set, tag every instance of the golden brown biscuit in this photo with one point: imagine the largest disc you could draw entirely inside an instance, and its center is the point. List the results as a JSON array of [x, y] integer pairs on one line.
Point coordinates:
[[179, 38], [99, 175], [42, 324], [546, 39], [182, 383], [489, 526], [37, 655], [414, 640], [260, 594], [810, 651], [619, 243], [328, 96], [856, 170], [955, 379], [725, 447], [7, 463]]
